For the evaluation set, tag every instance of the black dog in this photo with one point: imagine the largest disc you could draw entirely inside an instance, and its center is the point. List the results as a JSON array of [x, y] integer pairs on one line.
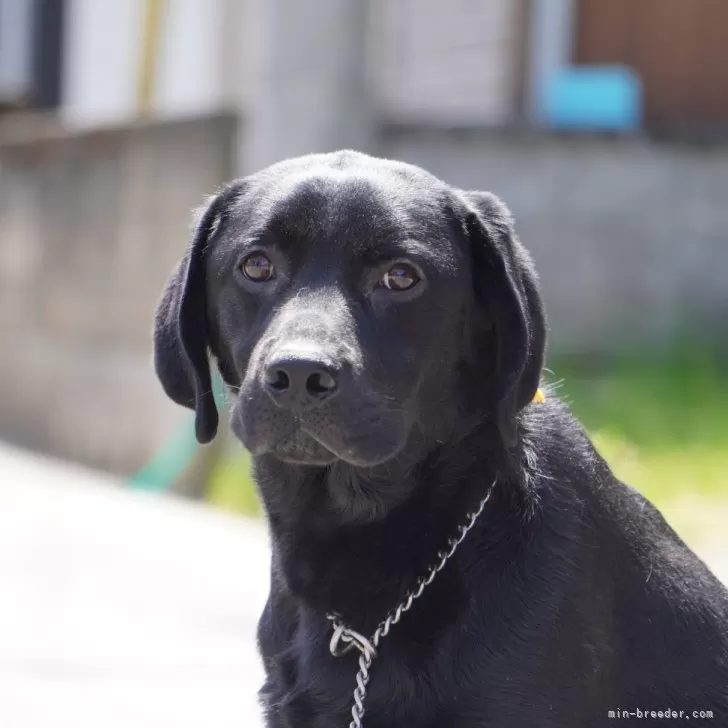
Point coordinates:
[[383, 337]]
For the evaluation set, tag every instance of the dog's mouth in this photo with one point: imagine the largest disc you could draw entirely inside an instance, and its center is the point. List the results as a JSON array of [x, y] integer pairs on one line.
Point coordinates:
[[304, 447], [300, 448], [321, 438]]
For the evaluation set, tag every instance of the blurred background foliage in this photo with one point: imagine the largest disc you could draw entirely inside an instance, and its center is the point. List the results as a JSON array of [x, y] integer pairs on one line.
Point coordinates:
[[661, 421]]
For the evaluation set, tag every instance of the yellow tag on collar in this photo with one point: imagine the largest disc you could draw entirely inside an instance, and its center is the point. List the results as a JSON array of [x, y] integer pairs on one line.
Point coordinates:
[[539, 396]]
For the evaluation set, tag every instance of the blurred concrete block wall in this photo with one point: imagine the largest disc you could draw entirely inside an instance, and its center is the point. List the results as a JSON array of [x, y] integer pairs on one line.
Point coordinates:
[[91, 224], [446, 62], [630, 236]]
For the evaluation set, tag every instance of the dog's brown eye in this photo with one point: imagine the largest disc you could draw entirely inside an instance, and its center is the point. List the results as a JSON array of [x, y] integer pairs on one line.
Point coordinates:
[[258, 268], [400, 277]]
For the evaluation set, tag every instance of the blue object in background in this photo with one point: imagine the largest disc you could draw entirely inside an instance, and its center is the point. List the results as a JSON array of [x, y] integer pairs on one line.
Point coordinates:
[[593, 98], [168, 463]]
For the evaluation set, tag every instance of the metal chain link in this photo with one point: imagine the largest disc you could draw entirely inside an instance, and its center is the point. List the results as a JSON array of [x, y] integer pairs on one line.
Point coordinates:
[[345, 639]]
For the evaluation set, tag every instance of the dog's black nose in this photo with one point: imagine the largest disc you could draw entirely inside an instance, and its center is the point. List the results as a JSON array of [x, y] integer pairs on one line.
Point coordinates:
[[300, 383]]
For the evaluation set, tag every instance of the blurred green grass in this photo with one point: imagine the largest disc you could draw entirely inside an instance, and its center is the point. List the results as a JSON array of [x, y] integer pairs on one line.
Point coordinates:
[[659, 418], [230, 485]]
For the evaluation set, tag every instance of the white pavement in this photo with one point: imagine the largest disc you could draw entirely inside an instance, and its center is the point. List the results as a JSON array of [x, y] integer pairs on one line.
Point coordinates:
[[126, 610], [123, 610]]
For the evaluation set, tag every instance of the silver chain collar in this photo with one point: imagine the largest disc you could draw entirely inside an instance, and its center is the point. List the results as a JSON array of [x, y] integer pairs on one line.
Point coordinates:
[[344, 639]]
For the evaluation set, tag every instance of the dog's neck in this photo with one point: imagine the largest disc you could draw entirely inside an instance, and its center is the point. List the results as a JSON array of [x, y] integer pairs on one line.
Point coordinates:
[[330, 560]]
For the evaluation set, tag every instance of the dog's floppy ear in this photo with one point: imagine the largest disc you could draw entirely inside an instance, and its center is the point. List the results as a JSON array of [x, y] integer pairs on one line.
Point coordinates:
[[180, 328], [507, 286]]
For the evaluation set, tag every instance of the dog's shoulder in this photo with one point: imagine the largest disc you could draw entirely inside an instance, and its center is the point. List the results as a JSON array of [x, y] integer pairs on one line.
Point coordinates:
[[643, 552]]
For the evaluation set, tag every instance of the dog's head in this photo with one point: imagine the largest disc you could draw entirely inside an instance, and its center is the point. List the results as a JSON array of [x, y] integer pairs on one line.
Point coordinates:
[[357, 308]]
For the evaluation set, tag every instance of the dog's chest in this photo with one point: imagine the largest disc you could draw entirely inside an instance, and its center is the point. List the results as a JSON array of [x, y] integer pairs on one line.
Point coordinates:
[[322, 696], [459, 684]]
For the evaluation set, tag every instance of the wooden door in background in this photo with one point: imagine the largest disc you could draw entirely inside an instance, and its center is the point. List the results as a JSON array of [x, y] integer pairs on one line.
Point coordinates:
[[679, 48]]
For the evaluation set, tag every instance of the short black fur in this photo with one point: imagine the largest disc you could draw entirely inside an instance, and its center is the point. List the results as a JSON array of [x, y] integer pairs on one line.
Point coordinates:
[[570, 598]]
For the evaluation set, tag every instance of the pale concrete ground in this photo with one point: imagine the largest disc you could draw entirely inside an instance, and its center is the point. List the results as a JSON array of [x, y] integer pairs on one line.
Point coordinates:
[[124, 610], [121, 610]]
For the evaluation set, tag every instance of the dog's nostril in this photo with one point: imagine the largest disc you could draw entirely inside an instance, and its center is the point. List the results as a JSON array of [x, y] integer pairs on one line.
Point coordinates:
[[299, 383], [277, 380], [320, 383]]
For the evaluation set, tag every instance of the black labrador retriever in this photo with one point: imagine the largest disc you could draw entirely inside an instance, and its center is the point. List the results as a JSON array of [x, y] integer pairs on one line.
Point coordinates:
[[447, 550]]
